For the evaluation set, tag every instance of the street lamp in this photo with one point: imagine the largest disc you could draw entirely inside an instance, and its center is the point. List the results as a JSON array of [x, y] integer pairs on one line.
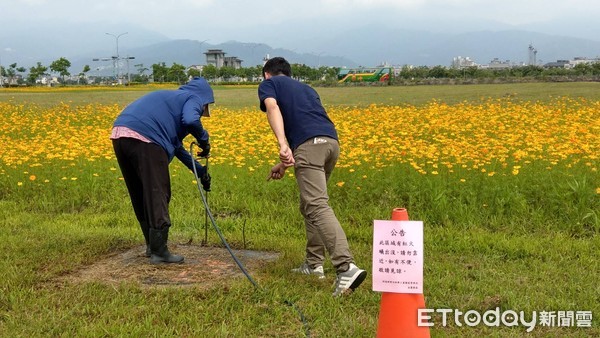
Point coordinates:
[[1, 75], [254, 45], [116, 58], [319, 59], [200, 46]]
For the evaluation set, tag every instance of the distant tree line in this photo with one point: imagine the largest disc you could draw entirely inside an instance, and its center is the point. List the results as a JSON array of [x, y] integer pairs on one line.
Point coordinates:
[[177, 73], [440, 72]]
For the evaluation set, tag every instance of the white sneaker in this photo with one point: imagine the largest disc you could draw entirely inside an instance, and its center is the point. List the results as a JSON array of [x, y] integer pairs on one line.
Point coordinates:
[[349, 280], [307, 270]]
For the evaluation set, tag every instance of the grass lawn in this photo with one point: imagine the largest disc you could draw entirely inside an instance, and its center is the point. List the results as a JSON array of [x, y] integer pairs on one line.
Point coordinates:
[[504, 177]]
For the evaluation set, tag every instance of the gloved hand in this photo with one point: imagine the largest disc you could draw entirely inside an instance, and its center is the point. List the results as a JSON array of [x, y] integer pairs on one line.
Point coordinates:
[[205, 181], [205, 150]]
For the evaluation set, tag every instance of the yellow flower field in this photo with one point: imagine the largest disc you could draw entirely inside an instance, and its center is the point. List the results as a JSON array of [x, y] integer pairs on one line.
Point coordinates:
[[488, 137]]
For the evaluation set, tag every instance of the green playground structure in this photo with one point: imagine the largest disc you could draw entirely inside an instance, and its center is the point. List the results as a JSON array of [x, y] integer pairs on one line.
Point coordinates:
[[377, 74]]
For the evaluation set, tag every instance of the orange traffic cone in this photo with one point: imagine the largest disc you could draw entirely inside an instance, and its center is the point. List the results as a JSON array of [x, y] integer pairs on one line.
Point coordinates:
[[398, 314]]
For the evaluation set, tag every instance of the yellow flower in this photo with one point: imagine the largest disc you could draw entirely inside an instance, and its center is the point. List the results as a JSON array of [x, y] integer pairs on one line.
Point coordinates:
[[340, 184], [32, 178]]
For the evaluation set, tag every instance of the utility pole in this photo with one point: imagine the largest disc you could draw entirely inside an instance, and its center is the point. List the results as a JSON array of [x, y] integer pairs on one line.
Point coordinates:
[[116, 57], [1, 76], [128, 73]]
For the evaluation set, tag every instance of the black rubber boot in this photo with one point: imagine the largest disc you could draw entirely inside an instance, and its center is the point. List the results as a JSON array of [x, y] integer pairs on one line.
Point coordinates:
[[158, 247], [146, 232]]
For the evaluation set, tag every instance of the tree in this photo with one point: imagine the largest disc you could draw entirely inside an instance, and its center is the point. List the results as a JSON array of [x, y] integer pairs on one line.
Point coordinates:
[[36, 72], [193, 72], [438, 72], [11, 72], [532, 70], [140, 76], [159, 72], [596, 68], [582, 69], [209, 72], [226, 73], [302, 72], [61, 66], [86, 69], [21, 70], [176, 73]]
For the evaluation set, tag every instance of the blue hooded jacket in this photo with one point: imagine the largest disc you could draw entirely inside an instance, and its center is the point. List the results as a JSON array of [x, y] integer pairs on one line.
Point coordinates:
[[166, 117]]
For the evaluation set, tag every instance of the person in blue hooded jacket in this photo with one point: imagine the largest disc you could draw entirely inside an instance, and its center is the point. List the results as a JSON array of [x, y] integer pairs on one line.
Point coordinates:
[[146, 136]]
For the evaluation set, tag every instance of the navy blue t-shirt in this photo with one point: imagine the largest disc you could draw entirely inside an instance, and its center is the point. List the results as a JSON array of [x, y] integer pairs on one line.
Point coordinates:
[[303, 114]]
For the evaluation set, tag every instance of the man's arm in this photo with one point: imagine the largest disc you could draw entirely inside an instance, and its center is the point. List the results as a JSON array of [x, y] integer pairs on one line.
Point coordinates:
[[276, 123], [190, 118]]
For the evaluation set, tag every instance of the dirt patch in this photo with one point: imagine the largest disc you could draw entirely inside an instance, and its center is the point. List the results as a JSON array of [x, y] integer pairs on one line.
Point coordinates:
[[203, 267]]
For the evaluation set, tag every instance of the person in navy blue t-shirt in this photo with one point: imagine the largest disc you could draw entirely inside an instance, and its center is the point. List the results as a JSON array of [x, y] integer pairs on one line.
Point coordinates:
[[308, 141]]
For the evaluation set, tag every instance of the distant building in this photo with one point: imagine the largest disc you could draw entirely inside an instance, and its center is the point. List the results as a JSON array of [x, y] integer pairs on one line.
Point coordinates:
[[558, 64], [532, 55], [497, 64], [217, 58], [233, 61], [196, 67], [581, 60], [463, 62]]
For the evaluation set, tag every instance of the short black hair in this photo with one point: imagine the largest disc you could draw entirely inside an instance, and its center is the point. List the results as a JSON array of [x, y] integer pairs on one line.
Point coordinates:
[[277, 66]]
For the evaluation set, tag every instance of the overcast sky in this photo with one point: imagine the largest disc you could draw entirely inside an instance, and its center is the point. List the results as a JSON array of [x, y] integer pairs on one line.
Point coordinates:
[[253, 21]]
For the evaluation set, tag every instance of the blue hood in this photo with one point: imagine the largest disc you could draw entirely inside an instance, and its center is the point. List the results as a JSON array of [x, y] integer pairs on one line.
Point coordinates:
[[200, 87]]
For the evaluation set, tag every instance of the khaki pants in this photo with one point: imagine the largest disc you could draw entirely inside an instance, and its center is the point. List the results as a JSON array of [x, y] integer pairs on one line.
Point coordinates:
[[315, 160]]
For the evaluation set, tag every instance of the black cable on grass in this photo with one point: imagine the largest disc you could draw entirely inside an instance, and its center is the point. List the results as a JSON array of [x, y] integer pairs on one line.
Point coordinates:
[[224, 241]]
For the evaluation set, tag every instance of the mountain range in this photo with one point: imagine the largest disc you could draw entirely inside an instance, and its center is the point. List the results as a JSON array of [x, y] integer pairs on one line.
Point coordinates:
[[368, 46]]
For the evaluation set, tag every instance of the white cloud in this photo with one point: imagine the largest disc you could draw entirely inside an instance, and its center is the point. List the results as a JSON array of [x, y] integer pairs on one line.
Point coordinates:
[[33, 2], [216, 19]]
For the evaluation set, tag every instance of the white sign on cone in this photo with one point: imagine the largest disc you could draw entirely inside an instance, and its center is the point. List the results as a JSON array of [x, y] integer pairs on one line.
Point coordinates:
[[398, 256]]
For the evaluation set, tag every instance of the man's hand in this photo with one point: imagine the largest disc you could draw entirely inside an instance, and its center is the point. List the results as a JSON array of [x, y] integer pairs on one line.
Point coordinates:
[[205, 181], [205, 150], [277, 172], [286, 156]]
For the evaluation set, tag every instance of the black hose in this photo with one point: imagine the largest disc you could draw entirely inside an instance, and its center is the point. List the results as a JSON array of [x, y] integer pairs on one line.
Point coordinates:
[[212, 220], [239, 264]]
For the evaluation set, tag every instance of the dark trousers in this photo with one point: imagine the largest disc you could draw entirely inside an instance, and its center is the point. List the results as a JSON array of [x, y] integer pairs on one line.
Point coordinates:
[[145, 169]]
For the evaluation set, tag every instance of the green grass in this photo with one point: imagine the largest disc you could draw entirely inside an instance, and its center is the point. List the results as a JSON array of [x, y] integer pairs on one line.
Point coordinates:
[[524, 243]]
